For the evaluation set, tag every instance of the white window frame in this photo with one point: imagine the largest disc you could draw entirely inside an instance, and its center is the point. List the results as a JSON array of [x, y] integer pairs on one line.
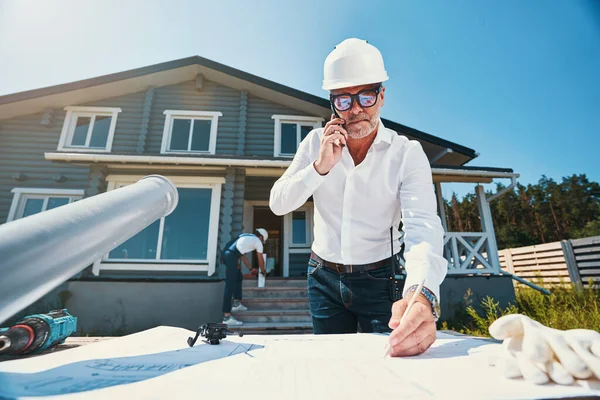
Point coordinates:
[[288, 247], [309, 224], [316, 122], [208, 265], [170, 115], [73, 112], [20, 196]]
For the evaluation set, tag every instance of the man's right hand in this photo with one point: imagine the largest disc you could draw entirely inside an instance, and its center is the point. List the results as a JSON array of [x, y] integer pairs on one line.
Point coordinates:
[[330, 153]]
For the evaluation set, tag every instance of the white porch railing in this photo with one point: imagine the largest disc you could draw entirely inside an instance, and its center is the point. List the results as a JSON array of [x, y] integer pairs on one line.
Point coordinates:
[[469, 253]]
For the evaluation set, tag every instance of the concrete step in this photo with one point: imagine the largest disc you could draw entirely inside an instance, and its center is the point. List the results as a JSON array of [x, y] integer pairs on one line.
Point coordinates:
[[279, 282], [274, 292], [273, 316], [281, 328], [281, 303]]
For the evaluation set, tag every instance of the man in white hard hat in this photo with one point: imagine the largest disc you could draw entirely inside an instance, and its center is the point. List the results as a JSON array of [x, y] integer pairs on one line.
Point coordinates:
[[234, 251], [365, 179]]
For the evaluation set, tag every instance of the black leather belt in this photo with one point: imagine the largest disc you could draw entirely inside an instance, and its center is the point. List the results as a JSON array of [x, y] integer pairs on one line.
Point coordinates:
[[348, 269]]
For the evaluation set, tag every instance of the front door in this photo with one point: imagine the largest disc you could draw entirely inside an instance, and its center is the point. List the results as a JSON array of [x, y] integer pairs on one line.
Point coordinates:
[[290, 238], [263, 217]]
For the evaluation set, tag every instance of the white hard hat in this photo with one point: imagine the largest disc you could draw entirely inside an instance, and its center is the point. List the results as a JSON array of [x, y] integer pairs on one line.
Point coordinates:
[[353, 62], [263, 233]]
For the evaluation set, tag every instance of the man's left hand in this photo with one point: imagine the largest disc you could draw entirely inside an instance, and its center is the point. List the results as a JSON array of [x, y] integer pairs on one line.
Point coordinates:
[[418, 329]]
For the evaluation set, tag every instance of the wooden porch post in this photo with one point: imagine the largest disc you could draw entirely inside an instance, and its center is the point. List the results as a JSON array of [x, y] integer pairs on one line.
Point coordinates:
[[487, 226], [441, 208]]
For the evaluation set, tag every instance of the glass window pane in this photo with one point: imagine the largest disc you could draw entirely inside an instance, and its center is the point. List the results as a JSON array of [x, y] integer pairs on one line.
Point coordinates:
[[100, 131], [304, 130], [288, 138], [185, 235], [33, 206], [201, 137], [81, 128], [180, 134], [299, 227], [141, 246], [54, 202]]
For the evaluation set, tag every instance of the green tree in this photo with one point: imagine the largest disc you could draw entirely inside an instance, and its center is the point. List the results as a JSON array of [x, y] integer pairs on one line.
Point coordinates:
[[537, 213], [592, 228]]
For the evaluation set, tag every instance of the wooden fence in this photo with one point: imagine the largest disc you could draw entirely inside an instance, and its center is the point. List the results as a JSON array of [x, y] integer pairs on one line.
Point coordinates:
[[568, 261]]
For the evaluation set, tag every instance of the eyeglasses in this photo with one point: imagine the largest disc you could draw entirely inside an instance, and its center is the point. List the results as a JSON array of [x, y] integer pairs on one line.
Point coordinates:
[[366, 98]]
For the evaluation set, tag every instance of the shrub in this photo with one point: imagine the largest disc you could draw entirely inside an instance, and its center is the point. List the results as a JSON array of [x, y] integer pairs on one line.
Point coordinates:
[[565, 308]]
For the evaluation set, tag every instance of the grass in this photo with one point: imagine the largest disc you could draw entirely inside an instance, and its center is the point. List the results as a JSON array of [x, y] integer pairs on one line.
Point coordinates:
[[565, 308]]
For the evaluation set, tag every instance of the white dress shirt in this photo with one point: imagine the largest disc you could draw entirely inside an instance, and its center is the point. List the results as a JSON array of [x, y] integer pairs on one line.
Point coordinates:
[[355, 206], [246, 244]]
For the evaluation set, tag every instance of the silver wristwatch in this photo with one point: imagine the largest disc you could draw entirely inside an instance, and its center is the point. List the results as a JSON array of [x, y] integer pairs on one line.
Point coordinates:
[[433, 301]]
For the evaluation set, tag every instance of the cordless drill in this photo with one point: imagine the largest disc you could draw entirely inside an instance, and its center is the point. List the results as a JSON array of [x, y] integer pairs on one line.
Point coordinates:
[[36, 333]]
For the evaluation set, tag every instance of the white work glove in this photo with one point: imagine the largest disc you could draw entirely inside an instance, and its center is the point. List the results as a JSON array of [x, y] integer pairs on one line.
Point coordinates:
[[540, 354]]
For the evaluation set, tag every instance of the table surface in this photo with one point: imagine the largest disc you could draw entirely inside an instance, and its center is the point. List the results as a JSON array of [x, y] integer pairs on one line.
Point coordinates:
[[289, 359]]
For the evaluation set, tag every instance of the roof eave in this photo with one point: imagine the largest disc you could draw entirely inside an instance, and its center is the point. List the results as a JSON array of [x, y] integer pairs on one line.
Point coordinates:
[[440, 173]]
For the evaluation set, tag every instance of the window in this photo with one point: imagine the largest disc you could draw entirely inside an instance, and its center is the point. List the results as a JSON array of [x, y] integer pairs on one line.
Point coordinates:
[[190, 132], [185, 240], [297, 237], [290, 131], [29, 201], [299, 227], [88, 129]]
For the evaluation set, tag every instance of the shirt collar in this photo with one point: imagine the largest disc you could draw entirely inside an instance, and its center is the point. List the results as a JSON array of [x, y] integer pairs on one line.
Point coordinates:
[[383, 134]]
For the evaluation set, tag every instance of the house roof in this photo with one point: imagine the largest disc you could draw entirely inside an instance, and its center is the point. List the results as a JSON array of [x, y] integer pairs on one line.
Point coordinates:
[[176, 71]]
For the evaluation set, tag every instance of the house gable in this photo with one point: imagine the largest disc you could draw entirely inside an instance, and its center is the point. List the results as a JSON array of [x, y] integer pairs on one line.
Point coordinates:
[[200, 69]]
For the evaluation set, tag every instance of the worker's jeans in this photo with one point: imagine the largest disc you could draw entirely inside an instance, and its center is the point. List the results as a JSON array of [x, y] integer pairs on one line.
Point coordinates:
[[233, 280], [343, 303]]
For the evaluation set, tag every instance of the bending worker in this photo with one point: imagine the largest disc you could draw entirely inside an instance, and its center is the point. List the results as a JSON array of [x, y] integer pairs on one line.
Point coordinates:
[[365, 179], [234, 251]]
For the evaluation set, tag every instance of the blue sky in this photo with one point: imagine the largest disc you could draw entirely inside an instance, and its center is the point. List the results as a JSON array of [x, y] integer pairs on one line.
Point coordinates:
[[518, 81]]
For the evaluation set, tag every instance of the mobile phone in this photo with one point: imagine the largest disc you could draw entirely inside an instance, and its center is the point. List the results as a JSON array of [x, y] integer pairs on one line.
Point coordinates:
[[343, 125], [336, 114]]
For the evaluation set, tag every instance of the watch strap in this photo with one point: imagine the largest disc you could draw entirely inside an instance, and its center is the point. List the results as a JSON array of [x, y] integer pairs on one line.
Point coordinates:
[[433, 301]]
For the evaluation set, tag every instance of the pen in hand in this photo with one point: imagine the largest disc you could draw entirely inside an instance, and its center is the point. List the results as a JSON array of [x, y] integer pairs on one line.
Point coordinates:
[[406, 311]]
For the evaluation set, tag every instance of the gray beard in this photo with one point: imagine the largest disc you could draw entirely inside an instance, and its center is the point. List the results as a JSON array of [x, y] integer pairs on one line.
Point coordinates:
[[362, 131]]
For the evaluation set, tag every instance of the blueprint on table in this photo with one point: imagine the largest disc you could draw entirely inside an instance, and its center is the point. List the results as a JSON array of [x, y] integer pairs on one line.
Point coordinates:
[[92, 374]]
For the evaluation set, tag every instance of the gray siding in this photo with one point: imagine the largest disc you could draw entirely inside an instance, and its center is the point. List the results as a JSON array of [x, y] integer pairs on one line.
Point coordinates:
[[298, 264], [225, 214], [185, 96], [238, 202], [232, 209], [258, 188], [260, 133], [23, 142]]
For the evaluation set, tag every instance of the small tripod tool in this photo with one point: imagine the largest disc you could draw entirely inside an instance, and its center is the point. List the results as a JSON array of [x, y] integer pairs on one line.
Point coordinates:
[[213, 332]]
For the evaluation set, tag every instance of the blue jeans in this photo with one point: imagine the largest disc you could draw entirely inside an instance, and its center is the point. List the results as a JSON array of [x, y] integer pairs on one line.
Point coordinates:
[[341, 303], [233, 280]]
